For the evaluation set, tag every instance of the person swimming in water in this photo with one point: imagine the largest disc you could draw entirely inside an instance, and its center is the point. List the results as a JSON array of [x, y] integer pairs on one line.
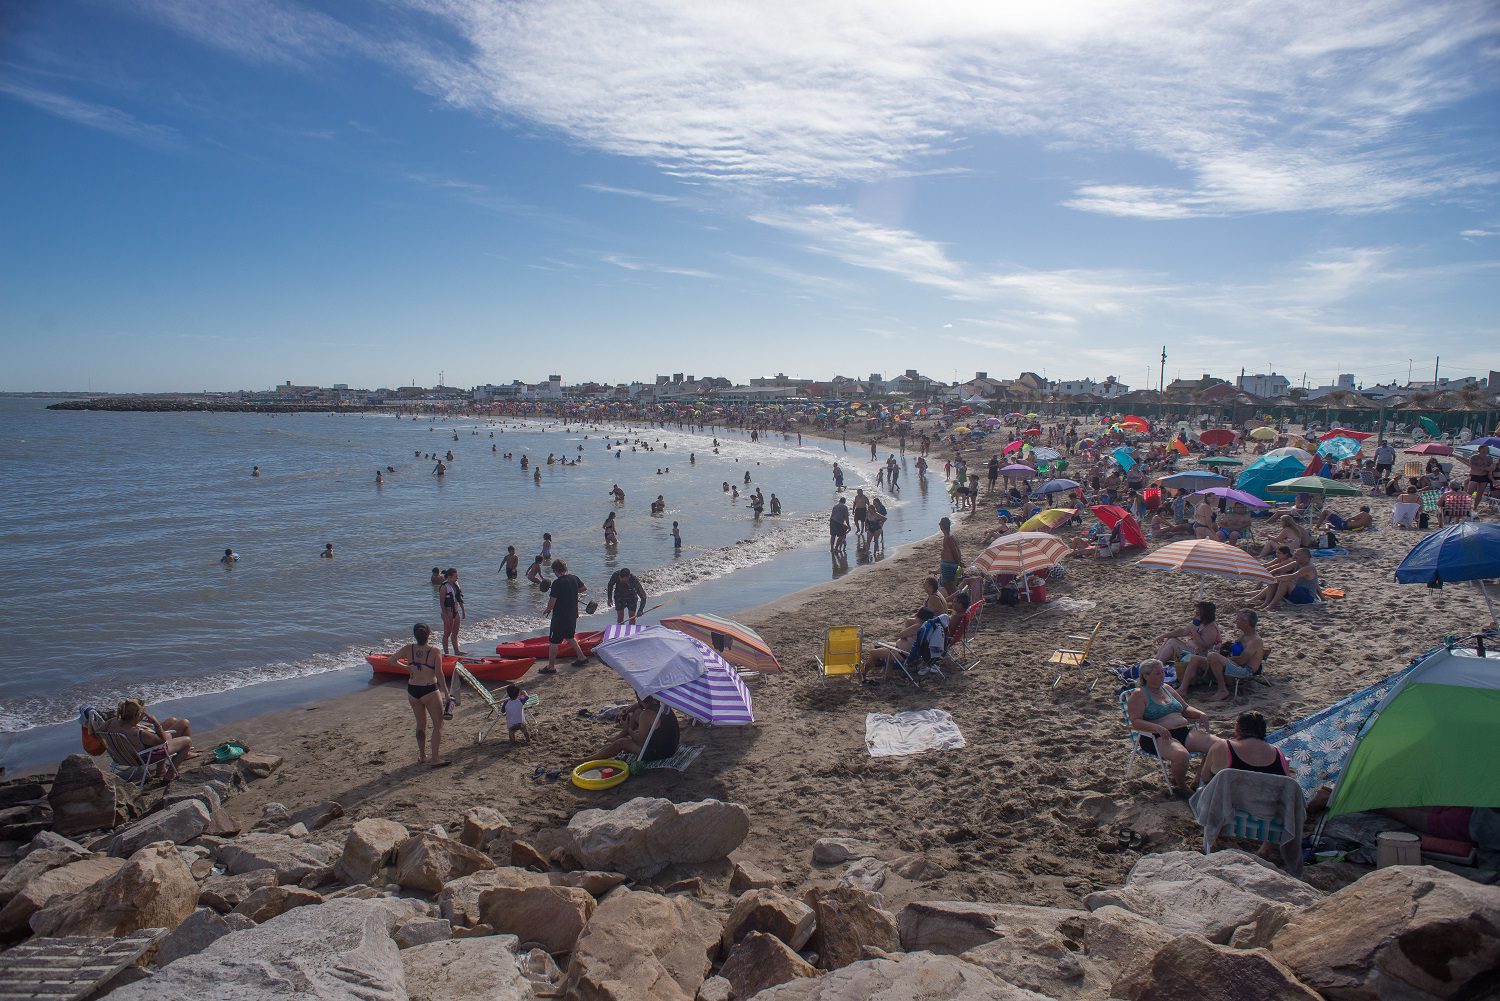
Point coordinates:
[[437, 577], [230, 558], [440, 469], [327, 552], [255, 471], [379, 479]]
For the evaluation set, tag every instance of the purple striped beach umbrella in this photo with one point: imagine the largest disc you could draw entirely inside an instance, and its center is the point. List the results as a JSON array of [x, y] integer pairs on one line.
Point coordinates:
[[679, 671]]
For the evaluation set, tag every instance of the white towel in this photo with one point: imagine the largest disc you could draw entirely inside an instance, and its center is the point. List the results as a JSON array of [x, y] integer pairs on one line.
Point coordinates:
[[911, 733]]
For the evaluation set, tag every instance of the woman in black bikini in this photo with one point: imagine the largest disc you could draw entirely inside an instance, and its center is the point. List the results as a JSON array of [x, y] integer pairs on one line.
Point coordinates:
[[426, 690]]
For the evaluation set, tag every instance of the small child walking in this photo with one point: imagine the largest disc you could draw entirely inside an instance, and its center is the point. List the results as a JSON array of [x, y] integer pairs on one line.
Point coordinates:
[[676, 536], [514, 707]]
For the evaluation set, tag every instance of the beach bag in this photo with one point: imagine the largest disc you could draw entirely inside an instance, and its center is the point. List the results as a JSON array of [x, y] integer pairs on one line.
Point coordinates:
[[1423, 520], [1009, 595], [91, 742]]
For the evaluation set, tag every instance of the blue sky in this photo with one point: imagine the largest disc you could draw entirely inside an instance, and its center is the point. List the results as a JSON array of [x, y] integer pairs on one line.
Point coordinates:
[[230, 193]]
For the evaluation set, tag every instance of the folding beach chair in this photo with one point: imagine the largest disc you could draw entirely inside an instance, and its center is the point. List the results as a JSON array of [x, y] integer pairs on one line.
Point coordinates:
[[1432, 504], [1239, 674], [495, 714], [131, 763], [958, 652], [1132, 738], [1456, 507], [843, 650], [1064, 657]]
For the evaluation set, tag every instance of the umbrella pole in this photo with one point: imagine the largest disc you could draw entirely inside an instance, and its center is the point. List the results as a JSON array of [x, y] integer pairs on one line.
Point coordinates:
[[1488, 601], [647, 742]]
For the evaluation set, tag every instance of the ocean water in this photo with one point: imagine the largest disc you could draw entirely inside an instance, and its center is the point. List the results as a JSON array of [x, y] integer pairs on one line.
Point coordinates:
[[112, 525]]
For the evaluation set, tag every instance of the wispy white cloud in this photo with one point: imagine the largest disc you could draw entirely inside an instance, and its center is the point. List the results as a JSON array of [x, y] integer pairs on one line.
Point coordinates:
[[633, 264], [260, 31], [1479, 234], [1265, 106], [650, 196], [95, 116]]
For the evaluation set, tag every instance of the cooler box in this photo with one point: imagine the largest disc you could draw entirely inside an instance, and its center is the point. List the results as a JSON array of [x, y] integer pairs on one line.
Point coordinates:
[[1037, 593]]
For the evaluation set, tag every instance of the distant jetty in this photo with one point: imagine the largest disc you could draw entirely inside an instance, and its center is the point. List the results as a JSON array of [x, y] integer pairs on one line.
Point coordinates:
[[148, 405]]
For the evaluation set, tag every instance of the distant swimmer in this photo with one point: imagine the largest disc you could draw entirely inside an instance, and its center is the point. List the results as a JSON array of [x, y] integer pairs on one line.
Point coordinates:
[[439, 469], [450, 455], [747, 477], [676, 537], [437, 577], [255, 471], [775, 504], [610, 537], [451, 602], [617, 494], [379, 479], [390, 469], [726, 486], [327, 552], [535, 571], [230, 558], [510, 563], [692, 458], [547, 546], [537, 476]]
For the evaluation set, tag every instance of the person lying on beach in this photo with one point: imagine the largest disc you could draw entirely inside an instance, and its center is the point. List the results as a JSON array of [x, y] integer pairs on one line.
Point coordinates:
[[1247, 750], [145, 730], [1247, 652], [1193, 640], [1289, 534], [637, 724], [1338, 523], [1298, 585], [1169, 728], [1164, 526]]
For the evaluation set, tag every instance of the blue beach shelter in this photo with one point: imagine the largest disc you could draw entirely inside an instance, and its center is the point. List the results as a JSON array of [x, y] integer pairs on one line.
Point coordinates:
[[1264, 471]]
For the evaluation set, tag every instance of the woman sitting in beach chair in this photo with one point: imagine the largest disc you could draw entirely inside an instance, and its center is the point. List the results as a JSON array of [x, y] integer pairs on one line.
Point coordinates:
[[133, 734], [927, 648]]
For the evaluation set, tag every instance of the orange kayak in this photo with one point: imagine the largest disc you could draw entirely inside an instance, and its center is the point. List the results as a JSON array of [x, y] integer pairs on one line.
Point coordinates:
[[537, 646], [483, 668]]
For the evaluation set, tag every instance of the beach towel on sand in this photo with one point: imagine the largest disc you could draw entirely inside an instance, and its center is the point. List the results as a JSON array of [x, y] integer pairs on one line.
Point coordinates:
[[911, 733]]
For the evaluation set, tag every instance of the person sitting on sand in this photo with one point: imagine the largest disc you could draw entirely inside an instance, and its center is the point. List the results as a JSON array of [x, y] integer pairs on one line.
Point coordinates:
[[1247, 750], [1247, 652], [1233, 525], [1193, 640], [934, 604], [1166, 723], [1298, 584], [1289, 534], [1164, 526], [1203, 518], [637, 724], [146, 731]]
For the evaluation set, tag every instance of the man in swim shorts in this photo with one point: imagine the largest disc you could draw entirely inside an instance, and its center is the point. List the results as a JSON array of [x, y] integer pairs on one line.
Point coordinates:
[[1481, 471], [951, 559], [1299, 584], [510, 563], [562, 606]]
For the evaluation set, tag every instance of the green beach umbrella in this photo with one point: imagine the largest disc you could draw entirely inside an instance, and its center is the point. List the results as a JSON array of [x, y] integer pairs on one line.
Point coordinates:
[[1315, 485], [1430, 425]]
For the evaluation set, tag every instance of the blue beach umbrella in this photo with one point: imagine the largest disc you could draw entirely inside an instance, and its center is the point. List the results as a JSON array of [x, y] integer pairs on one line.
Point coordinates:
[[1469, 550], [1124, 458], [1057, 487], [1339, 449], [1194, 479]]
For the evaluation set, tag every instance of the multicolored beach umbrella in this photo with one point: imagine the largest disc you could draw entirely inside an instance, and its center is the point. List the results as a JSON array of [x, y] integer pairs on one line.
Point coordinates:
[[679, 671], [1022, 553], [734, 641], [1206, 558]]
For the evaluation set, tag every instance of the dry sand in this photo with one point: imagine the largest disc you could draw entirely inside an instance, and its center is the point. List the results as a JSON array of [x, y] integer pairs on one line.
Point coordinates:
[[1020, 814]]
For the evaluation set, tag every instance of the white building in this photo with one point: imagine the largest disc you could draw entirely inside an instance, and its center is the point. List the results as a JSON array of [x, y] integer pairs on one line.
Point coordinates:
[[1343, 384], [1265, 386], [1106, 390]]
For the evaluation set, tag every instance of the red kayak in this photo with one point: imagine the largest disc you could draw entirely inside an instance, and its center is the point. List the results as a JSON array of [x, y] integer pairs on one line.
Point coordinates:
[[482, 668], [537, 646]]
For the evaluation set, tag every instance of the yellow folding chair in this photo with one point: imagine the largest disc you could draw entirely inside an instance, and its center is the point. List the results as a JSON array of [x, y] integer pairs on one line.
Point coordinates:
[[1064, 658], [843, 651]]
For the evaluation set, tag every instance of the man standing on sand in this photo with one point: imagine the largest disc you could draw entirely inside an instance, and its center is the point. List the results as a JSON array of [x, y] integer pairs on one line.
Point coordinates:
[[1385, 460], [951, 558], [562, 606], [1481, 470]]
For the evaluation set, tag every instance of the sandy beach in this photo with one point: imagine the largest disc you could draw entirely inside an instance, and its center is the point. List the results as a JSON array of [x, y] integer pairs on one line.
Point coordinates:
[[1018, 815]]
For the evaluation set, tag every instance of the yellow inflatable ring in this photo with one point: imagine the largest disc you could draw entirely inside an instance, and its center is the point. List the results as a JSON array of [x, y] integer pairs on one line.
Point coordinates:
[[604, 774]]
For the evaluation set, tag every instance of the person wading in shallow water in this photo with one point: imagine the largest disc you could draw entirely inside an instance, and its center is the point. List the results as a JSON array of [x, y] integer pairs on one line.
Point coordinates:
[[451, 601]]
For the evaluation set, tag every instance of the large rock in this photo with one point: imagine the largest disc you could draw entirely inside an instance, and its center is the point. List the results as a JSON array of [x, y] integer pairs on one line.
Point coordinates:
[[51, 841], [596, 883], [1412, 932], [425, 862], [643, 947], [86, 797], [225, 893], [370, 846], [1191, 968], [153, 889], [749, 876], [1036, 955], [836, 851], [770, 912], [760, 961], [317, 815], [33, 865], [181, 822], [551, 916], [848, 921], [423, 931], [954, 926], [918, 976], [258, 765], [643, 836], [292, 859], [54, 884], [1118, 937], [271, 901], [338, 951], [203, 792], [1210, 895], [471, 969], [201, 929], [483, 824], [459, 899]]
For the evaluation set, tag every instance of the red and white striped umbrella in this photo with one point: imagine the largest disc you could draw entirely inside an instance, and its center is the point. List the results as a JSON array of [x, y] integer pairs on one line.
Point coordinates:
[[1022, 553], [1206, 557]]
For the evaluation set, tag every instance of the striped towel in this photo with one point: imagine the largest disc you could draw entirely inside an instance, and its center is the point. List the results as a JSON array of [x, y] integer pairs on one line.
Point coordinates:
[[679, 762]]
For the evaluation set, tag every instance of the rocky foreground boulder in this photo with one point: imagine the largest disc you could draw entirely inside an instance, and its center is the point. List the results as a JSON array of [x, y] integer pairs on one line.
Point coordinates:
[[153, 889], [644, 947], [643, 836]]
